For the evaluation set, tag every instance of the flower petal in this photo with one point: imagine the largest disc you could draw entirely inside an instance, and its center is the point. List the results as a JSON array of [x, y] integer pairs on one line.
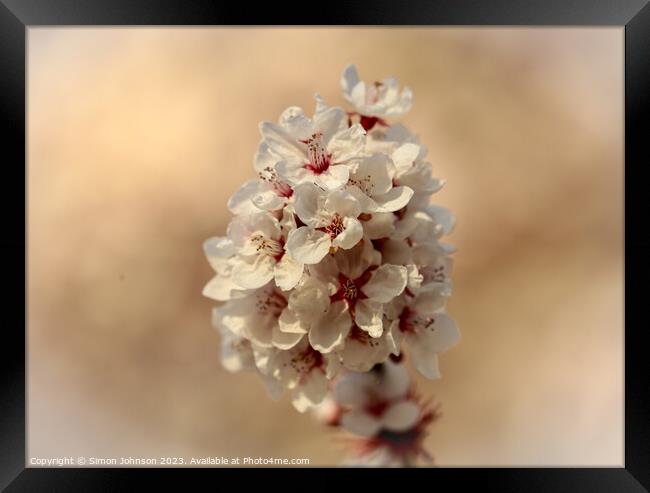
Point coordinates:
[[348, 144], [311, 390], [307, 245], [281, 143], [394, 200], [380, 225], [442, 334], [360, 423], [331, 330], [309, 205], [349, 79], [291, 324], [424, 361], [284, 340], [241, 202], [333, 178], [401, 416], [405, 155], [253, 272], [350, 236], [287, 272], [368, 316], [343, 202], [386, 282]]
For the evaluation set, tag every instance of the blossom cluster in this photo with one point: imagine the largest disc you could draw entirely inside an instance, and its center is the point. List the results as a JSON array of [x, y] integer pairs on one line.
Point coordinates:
[[333, 260], [381, 410]]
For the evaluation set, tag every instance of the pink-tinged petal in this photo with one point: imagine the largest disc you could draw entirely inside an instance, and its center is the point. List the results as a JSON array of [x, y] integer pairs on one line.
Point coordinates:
[[386, 282], [307, 245], [368, 316], [350, 236], [396, 199], [330, 331], [401, 416], [361, 423], [253, 272], [334, 178], [288, 272]]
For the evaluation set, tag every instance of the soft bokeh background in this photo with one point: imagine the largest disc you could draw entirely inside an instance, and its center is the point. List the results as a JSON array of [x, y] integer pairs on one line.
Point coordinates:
[[137, 137]]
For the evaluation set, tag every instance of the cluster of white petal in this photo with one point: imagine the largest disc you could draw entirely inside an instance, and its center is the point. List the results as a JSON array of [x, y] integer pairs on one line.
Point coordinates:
[[382, 410], [333, 258]]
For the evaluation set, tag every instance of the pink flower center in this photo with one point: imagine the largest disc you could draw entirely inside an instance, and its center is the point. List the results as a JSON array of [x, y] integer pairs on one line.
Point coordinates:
[[350, 289], [410, 321], [318, 157], [306, 361], [268, 246], [269, 175], [336, 227]]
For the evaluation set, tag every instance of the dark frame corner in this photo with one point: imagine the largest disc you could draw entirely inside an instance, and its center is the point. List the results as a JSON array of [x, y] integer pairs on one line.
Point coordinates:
[[18, 15]]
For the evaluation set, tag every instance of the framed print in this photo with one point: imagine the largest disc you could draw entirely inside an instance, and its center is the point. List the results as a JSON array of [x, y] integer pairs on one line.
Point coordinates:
[[379, 240]]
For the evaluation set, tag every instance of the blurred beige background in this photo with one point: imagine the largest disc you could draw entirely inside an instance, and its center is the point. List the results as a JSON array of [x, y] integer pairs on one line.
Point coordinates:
[[137, 137]]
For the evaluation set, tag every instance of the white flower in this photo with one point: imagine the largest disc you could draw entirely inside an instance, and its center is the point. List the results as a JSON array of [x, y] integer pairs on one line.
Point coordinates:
[[236, 350], [377, 401], [375, 101], [259, 240], [330, 222], [412, 171], [305, 371], [427, 330], [221, 254], [314, 150], [256, 317], [355, 279], [372, 183], [267, 192]]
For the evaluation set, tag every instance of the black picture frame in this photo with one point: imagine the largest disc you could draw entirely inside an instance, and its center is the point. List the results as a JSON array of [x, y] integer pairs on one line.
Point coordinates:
[[16, 16]]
